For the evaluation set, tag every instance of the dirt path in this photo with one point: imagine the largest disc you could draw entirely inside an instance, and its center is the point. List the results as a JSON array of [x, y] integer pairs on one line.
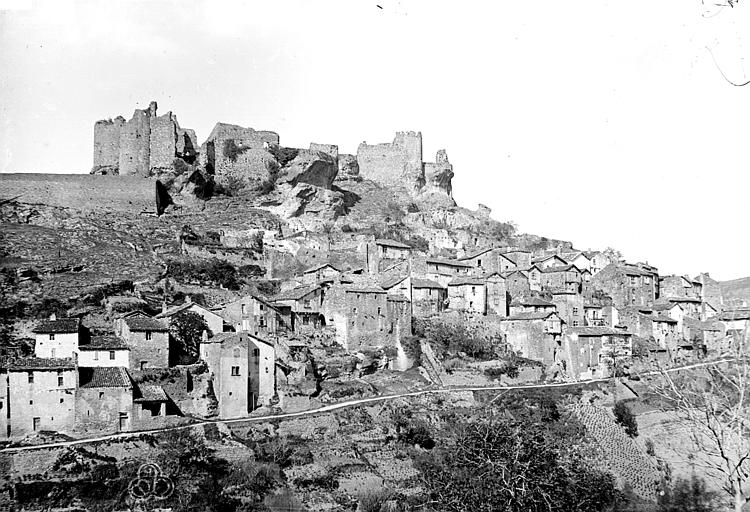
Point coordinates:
[[333, 407]]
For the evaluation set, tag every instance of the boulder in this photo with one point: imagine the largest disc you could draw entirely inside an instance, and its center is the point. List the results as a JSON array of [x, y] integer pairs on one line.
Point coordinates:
[[348, 168], [311, 167]]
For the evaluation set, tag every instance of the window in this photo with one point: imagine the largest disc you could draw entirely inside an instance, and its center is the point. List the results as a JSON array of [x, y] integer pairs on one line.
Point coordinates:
[[111, 355], [575, 323], [31, 377], [101, 395], [308, 304], [62, 400], [479, 263], [575, 311], [36, 423], [52, 337], [633, 280], [96, 355], [266, 369], [52, 353], [31, 402], [235, 371], [243, 308], [378, 311], [262, 321], [60, 380], [473, 290], [261, 307], [236, 353], [148, 335], [256, 352]]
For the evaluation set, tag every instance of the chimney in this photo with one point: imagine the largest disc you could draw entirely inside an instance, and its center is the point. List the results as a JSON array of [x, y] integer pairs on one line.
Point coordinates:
[[204, 336]]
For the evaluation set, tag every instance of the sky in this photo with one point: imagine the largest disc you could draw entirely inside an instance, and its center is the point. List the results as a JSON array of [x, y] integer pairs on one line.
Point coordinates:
[[606, 123]]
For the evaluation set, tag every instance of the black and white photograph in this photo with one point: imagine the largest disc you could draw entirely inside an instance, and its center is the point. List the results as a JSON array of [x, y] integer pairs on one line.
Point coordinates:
[[374, 256]]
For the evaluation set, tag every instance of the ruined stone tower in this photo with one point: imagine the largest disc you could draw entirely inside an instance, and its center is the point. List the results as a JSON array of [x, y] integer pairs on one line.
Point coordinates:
[[143, 146]]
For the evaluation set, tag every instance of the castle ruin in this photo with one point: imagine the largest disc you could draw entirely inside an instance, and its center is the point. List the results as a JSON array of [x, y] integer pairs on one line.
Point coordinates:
[[401, 162], [143, 146]]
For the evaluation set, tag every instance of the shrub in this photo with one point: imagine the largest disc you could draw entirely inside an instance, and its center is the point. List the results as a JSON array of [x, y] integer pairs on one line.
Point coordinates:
[[625, 417], [650, 448], [231, 150], [283, 155], [372, 500], [214, 271]]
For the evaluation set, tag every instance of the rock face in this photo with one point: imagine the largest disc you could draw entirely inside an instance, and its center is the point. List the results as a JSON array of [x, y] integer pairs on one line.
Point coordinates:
[[306, 206], [348, 168], [438, 178], [312, 167], [142, 146]]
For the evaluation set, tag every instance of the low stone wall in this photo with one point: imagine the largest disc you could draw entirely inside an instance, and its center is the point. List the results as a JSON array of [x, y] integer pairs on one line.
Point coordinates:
[[84, 192]]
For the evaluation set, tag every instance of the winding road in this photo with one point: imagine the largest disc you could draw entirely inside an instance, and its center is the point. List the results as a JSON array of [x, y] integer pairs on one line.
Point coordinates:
[[335, 407]]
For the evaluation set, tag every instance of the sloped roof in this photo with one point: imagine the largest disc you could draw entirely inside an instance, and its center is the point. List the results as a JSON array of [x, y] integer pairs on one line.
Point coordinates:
[[535, 301], [60, 326], [228, 337], [104, 377], [664, 307], [540, 259], [448, 263], [392, 243], [295, 293], [418, 282], [364, 289], [104, 343], [683, 299], [390, 282], [737, 314], [151, 393], [540, 315], [466, 281], [663, 318], [318, 267], [598, 331], [396, 297], [181, 307], [40, 363], [139, 323], [564, 268], [475, 253]]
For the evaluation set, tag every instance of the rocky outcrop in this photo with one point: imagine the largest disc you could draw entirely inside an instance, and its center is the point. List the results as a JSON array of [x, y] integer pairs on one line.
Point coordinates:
[[348, 168], [311, 167], [438, 176]]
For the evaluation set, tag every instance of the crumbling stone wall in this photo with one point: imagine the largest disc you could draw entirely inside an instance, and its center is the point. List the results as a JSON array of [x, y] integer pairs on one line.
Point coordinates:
[[438, 176], [397, 162], [330, 149], [85, 192], [142, 146], [251, 162]]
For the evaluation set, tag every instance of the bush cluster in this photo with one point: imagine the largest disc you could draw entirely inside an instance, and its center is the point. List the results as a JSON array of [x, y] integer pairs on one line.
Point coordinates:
[[215, 271]]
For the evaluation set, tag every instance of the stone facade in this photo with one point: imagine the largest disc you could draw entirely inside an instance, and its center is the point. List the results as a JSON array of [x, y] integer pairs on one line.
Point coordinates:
[[57, 338], [628, 285], [468, 295], [428, 297], [213, 320], [40, 395], [590, 351], [489, 260], [497, 294], [142, 146], [534, 335], [104, 351], [104, 400], [251, 314], [570, 307], [242, 368], [360, 315], [148, 340], [680, 286]]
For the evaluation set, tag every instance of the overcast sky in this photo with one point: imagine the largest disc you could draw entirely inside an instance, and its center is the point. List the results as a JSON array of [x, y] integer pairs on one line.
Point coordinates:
[[606, 123]]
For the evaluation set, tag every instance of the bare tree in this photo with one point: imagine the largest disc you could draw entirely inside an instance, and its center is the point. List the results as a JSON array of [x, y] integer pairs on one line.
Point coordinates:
[[715, 404]]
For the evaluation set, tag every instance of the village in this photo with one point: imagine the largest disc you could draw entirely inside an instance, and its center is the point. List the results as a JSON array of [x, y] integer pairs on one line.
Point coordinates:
[[577, 314]]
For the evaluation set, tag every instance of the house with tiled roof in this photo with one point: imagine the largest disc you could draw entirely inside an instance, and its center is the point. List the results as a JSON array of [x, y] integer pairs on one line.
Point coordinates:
[[104, 351], [57, 337], [42, 396], [593, 352], [148, 340], [440, 269], [496, 289], [535, 335], [489, 260], [680, 286], [468, 295], [562, 277], [521, 257], [255, 315], [242, 368], [628, 284], [577, 258], [104, 401], [213, 320], [321, 272], [300, 308], [531, 304], [428, 297], [548, 261]]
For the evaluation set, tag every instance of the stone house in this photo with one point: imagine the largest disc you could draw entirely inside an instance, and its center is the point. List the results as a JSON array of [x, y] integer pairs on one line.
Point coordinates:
[[708, 311], [214, 321], [104, 351], [318, 273], [566, 277], [242, 368], [150, 404], [104, 400], [384, 254], [497, 294], [673, 310], [300, 308], [148, 339], [578, 258], [441, 270], [533, 304], [517, 284], [392, 250], [489, 260], [534, 274], [647, 323], [599, 261], [591, 351], [57, 338], [710, 290], [593, 315], [39, 394], [359, 312], [534, 335], [397, 283], [691, 306], [628, 285], [398, 318], [736, 322], [428, 297], [467, 294], [548, 261], [570, 307], [679, 286], [252, 314], [520, 257]]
